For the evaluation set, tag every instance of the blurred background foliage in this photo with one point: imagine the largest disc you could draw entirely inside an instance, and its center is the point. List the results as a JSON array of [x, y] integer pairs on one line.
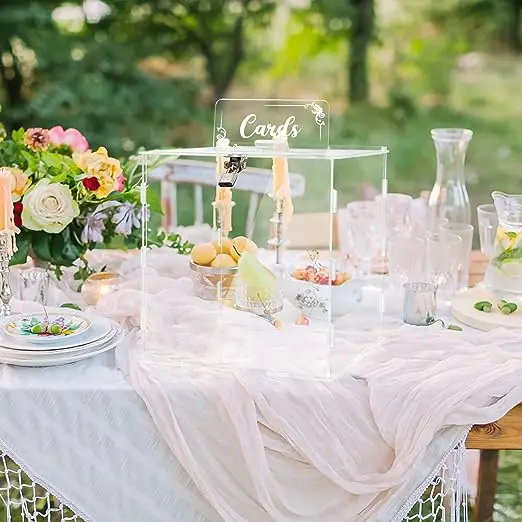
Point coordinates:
[[146, 73]]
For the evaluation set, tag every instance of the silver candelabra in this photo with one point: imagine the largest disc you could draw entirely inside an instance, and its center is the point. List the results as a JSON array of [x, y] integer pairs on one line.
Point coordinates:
[[5, 286], [277, 241]]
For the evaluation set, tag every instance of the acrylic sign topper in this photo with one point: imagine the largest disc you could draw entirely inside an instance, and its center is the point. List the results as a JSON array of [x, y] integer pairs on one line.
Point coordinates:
[[245, 121]]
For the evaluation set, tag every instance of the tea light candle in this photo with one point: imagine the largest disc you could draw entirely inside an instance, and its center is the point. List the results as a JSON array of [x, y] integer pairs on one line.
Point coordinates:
[[420, 303], [98, 285]]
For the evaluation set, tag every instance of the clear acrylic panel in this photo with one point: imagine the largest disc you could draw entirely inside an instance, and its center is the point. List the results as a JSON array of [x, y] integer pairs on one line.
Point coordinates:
[[247, 122], [284, 260]]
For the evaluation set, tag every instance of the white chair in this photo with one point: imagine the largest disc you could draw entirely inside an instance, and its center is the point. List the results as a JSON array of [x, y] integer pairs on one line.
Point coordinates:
[[202, 173]]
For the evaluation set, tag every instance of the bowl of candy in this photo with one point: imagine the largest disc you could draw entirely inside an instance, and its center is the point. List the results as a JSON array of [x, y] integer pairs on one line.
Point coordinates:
[[314, 291]]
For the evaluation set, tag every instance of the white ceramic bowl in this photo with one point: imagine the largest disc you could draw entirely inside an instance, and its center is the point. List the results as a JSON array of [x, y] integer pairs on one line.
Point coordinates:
[[315, 300]]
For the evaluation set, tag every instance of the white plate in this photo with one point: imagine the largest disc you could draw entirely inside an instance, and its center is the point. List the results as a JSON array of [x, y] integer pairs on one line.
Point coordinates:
[[101, 326], [21, 354], [60, 358], [20, 326]]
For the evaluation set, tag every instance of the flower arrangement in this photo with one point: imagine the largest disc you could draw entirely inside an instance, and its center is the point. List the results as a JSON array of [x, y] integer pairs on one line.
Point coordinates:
[[69, 199]]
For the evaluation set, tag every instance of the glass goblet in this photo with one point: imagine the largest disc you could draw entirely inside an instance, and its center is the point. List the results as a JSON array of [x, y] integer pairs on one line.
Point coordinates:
[[443, 251], [364, 230], [396, 209], [406, 260]]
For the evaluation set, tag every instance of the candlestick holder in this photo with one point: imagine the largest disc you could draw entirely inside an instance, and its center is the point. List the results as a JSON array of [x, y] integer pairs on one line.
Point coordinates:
[[5, 287], [277, 241]]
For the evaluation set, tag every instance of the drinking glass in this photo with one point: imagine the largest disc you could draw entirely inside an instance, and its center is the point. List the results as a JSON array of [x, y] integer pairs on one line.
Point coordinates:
[[443, 251], [406, 260], [396, 209], [34, 285], [465, 232], [487, 225], [364, 232]]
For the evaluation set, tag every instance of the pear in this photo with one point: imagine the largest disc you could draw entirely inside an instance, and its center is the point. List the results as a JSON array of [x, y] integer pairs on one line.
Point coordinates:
[[260, 283], [241, 244]]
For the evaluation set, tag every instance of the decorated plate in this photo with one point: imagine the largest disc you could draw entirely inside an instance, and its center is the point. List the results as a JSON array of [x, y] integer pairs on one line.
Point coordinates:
[[46, 328], [59, 358]]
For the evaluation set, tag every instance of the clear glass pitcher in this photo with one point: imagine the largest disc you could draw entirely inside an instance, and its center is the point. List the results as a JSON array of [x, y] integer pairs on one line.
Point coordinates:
[[449, 201], [504, 274]]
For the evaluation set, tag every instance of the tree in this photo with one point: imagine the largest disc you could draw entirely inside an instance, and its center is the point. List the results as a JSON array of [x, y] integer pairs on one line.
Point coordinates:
[[354, 22], [215, 30], [361, 36], [88, 76], [503, 16], [20, 27]]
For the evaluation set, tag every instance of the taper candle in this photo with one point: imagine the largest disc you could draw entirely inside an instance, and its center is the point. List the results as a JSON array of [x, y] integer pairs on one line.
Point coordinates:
[[223, 200], [7, 225], [281, 180], [6, 200]]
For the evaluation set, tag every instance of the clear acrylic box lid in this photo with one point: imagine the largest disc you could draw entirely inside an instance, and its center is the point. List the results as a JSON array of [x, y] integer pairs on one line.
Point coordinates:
[[262, 152]]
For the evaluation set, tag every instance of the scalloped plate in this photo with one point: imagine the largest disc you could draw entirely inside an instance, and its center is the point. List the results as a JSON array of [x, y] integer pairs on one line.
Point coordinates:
[[21, 327]]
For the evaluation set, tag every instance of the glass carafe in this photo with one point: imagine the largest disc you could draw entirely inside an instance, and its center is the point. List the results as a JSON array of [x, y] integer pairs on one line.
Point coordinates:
[[504, 274], [449, 201]]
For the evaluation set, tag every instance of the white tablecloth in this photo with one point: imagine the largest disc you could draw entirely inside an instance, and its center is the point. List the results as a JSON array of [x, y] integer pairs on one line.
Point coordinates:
[[96, 438], [95, 435]]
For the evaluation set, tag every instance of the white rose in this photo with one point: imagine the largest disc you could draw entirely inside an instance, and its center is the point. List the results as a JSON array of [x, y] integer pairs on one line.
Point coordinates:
[[49, 207]]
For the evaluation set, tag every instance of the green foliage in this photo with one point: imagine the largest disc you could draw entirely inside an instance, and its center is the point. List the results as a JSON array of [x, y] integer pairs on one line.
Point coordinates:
[[215, 30], [175, 241], [109, 98], [87, 80]]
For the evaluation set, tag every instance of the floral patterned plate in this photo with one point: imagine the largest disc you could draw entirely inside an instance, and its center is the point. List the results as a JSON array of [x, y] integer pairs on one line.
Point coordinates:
[[42, 328]]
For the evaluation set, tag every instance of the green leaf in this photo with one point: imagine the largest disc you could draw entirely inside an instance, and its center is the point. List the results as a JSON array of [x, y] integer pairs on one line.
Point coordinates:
[[52, 159], [32, 160], [23, 241], [154, 200], [41, 246], [64, 248], [70, 164], [18, 136], [507, 256], [72, 306], [60, 178]]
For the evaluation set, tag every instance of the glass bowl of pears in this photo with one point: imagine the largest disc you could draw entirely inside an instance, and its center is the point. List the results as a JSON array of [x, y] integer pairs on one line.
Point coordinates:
[[214, 266]]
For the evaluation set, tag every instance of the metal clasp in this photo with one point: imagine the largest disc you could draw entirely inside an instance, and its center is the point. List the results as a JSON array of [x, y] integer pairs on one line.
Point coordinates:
[[233, 166]]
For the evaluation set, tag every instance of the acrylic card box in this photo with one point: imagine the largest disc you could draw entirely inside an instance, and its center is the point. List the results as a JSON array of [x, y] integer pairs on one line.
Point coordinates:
[[275, 194]]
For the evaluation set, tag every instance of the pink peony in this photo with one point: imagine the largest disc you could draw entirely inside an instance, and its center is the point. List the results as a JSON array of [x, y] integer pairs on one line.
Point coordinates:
[[70, 137]]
